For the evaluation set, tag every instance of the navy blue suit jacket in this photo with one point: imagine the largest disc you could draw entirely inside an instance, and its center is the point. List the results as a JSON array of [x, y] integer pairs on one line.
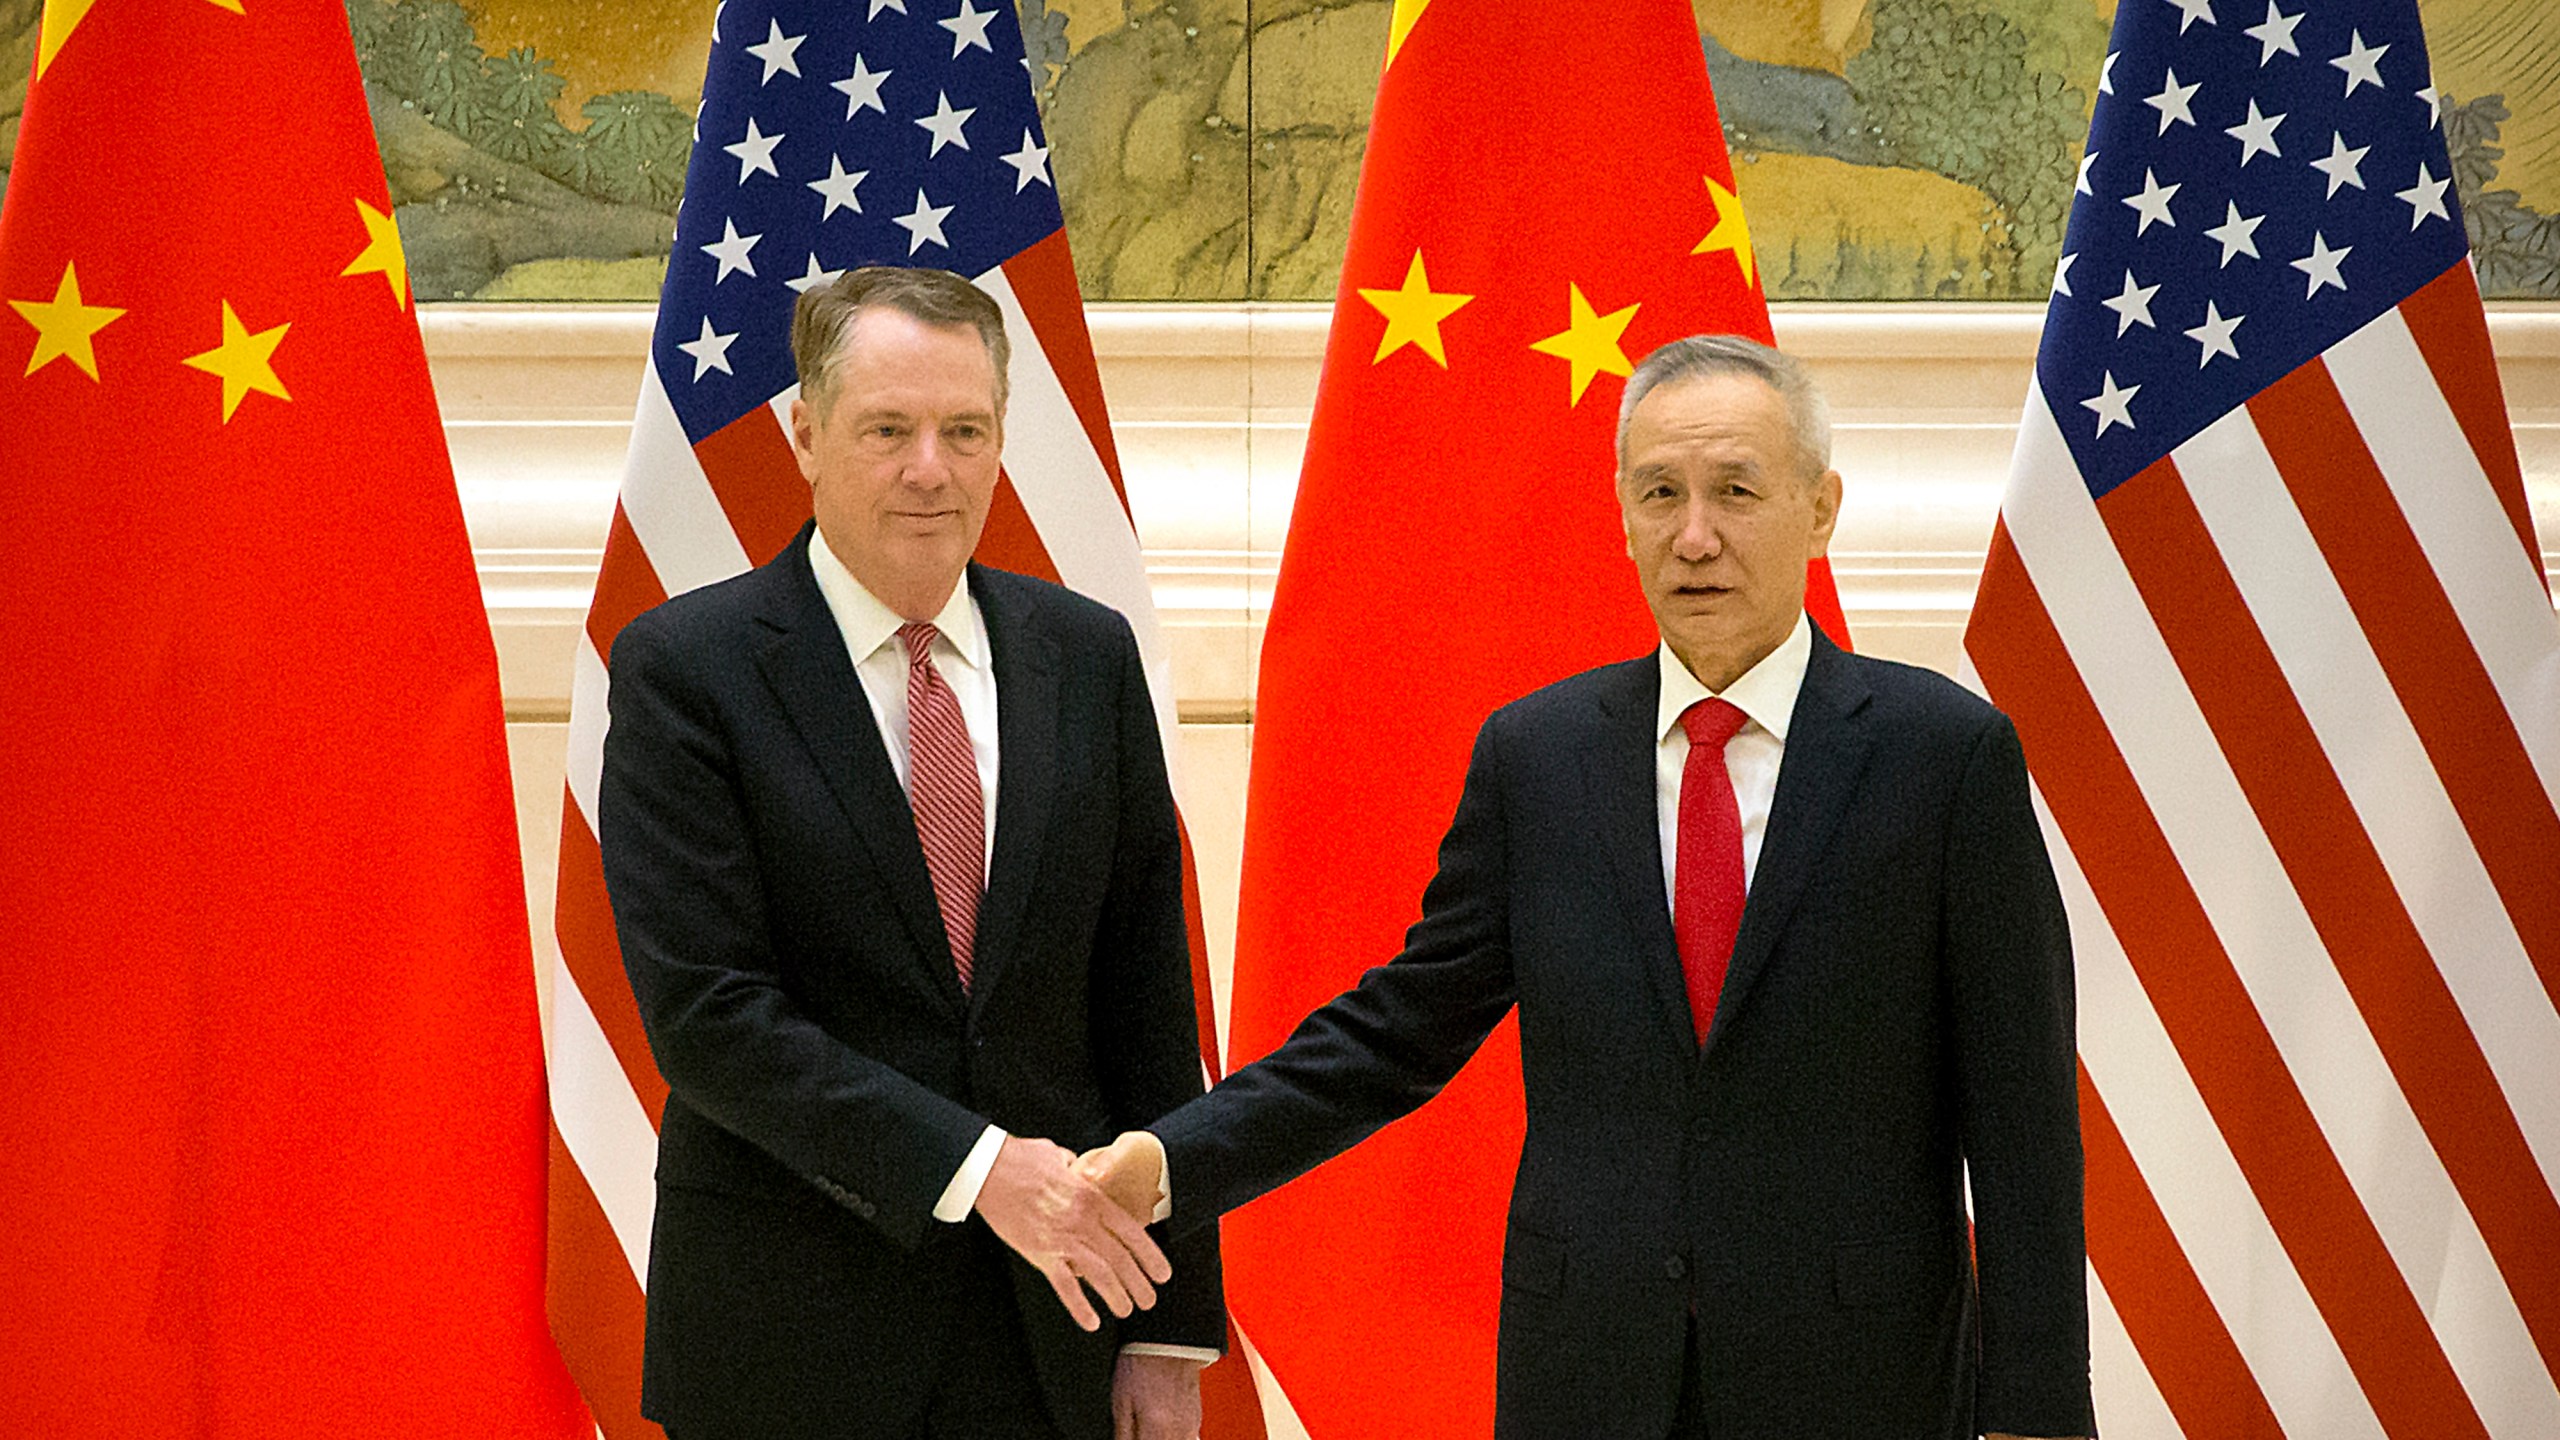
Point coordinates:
[[1898, 1008], [828, 1074]]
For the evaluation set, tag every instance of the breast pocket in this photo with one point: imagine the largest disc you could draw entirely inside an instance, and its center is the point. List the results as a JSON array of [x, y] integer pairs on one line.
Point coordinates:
[[1532, 1262]]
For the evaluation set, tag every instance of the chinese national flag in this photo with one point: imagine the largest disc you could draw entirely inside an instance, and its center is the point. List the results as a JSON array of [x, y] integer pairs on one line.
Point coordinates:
[[271, 1158], [1546, 197]]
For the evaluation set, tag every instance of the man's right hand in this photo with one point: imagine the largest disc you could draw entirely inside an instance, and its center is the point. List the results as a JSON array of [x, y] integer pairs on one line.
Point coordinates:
[[1070, 1231]]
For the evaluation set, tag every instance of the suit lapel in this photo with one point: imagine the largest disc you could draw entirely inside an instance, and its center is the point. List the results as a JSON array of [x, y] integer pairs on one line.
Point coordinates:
[[813, 678], [1026, 661], [1827, 744], [1618, 772]]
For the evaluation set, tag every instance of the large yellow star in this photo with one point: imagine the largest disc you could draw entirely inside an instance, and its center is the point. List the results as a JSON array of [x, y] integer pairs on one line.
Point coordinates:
[[382, 253], [1414, 314], [1400, 25], [1732, 232], [64, 325], [61, 17], [1590, 343], [243, 360]]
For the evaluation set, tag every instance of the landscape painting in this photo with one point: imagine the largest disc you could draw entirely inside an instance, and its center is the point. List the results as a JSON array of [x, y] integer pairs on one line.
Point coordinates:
[[1210, 149]]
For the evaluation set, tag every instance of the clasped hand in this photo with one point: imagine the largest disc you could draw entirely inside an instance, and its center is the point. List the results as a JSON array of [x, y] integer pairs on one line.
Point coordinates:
[[1130, 1170], [1038, 1200]]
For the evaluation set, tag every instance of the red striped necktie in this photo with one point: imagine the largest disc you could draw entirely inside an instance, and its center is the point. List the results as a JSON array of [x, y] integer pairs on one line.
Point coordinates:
[[942, 786], [1707, 880]]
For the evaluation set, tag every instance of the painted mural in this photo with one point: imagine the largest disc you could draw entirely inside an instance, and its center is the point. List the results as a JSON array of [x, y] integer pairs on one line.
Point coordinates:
[[1210, 149]]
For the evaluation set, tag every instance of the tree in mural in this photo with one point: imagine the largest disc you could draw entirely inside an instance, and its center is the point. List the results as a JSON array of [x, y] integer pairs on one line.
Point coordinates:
[[427, 53], [520, 124], [2516, 247], [636, 143], [1949, 88]]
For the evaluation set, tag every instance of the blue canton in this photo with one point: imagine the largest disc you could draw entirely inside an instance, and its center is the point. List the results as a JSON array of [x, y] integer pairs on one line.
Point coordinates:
[[834, 134], [2260, 183]]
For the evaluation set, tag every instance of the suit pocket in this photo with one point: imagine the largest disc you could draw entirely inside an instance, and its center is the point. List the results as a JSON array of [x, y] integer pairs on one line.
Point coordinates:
[[1896, 1270], [1532, 1262]]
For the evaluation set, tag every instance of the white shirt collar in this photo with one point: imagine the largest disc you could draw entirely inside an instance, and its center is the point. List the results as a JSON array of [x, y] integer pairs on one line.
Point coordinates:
[[868, 623], [1765, 693]]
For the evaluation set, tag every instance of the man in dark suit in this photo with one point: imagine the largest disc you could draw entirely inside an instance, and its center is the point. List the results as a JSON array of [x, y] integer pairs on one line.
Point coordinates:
[[1741, 1206], [897, 879]]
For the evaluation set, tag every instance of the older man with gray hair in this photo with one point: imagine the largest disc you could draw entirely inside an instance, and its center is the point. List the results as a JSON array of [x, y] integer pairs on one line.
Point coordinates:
[[898, 882], [1793, 982]]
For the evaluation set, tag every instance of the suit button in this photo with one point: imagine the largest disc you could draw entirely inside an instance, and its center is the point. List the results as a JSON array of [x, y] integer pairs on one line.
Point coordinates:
[[1700, 1130], [1675, 1268]]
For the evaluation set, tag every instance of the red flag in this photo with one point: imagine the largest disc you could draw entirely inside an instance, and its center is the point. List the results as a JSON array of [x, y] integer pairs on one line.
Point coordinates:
[[1546, 197], [272, 1161]]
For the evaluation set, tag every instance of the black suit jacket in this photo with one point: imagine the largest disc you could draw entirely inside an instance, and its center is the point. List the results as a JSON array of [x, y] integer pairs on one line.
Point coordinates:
[[1898, 1008], [828, 1073]]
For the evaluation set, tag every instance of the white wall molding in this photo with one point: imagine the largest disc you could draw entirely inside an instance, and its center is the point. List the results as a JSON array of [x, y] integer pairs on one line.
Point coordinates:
[[1211, 402]]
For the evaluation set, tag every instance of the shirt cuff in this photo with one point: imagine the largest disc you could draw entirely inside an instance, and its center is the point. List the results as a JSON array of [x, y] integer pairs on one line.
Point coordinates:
[[1164, 1178], [961, 1195], [1171, 1352]]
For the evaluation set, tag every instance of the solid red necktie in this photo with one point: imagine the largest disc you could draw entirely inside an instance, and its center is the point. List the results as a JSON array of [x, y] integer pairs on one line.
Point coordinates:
[[1707, 881], [943, 789]]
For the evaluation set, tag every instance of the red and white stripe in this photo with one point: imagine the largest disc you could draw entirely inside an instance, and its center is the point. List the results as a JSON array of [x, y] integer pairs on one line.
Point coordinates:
[[692, 514], [2291, 698]]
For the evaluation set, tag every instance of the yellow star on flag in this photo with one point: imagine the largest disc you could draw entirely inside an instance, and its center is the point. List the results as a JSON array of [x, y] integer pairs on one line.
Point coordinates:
[[1414, 314], [1400, 25], [61, 17], [1732, 231], [243, 361], [64, 325], [382, 253], [1590, 343]]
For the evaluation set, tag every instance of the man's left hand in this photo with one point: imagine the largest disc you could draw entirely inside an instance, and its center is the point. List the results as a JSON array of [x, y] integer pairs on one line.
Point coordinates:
[[1155, 1397], [1130, 1170]]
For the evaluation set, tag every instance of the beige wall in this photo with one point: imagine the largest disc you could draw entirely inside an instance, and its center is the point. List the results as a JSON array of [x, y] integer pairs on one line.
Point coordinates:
[[1210, 404]]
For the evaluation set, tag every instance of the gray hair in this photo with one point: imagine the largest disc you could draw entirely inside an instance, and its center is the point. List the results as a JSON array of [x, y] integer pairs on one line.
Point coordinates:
[[931, 297], [1701, 357]]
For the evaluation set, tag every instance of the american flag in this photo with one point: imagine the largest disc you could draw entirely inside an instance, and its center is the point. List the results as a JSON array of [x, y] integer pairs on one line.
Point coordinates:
[[2265, 604], [832, 134]]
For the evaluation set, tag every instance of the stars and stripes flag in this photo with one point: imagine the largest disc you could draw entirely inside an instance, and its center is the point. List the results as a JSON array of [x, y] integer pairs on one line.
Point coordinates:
[[1455, 543], [272, 1159], [831, 135], [2265, 604]]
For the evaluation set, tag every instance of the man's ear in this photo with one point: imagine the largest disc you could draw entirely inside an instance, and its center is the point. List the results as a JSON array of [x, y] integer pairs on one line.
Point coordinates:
[[804, 436], [1826, 511]]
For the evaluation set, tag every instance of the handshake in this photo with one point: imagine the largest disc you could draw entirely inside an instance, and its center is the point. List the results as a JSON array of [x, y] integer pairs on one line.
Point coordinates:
[[1081, 1220]]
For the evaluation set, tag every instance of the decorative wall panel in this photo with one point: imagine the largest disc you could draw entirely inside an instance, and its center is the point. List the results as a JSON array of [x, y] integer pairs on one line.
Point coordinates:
[[1210, 149]]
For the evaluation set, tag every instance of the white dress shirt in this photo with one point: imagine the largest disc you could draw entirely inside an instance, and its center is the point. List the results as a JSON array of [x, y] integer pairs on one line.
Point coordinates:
[[962, 654], [967, 662], [1766, 694]]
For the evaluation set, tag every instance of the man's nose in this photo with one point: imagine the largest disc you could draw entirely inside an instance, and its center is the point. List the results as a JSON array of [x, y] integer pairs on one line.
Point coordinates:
[[929, 463], [1697, 538]]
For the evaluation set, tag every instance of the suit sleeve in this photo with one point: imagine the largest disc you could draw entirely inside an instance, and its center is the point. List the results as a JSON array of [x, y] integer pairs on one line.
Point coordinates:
[[1377, 1051], [689, 909], [1144, 1010], [2009, 957]]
